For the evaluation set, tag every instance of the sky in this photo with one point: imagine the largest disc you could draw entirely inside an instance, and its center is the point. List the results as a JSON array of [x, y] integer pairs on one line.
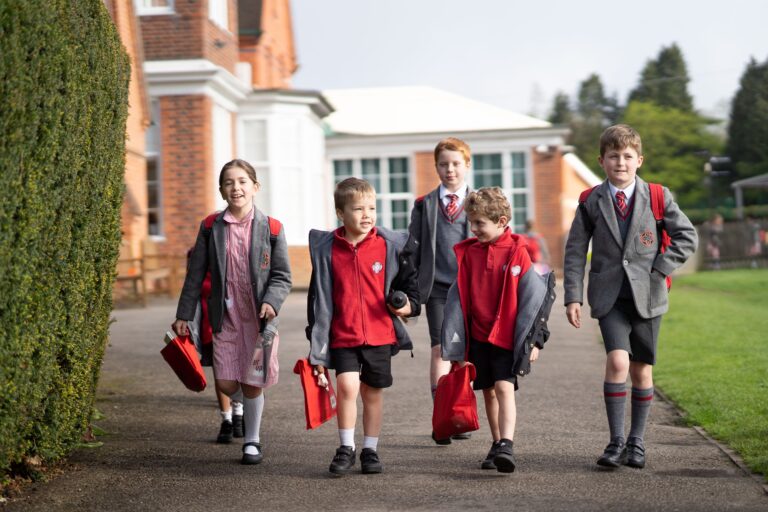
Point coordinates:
[[518, 55]]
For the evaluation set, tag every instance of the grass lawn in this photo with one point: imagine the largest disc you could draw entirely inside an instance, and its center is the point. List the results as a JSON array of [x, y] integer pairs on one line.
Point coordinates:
[[713, 357]]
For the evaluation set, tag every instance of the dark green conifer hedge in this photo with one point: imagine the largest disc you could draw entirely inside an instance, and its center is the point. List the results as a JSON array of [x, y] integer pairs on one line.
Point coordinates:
[[63, 105]]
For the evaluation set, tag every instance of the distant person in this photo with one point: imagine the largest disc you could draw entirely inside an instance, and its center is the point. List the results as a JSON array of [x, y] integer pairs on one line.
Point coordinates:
[[714, 240], [438, 222], [353, 327], [495, 316], [755, 235], [250, 279], [627, 287], [537, 248]]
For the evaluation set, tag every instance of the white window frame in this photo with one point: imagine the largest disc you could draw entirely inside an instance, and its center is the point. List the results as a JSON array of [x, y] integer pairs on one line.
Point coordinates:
[[218, 13], [153, 154], [384, 197], [507, 184], [143, 10]]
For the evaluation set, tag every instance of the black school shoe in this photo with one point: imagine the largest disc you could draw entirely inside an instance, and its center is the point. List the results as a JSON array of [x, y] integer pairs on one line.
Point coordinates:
[[252, 459], [237, 426], [635, 453], [505, 457], [615, 454], [441, 442], [462, 437], [225, 433], [369, 461], [343, 460], [488, 462]]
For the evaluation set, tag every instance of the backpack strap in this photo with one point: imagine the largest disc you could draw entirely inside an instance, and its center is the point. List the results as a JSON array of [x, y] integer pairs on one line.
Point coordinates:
[[210, 219], [583, 208], [657, 201], [274, 228]]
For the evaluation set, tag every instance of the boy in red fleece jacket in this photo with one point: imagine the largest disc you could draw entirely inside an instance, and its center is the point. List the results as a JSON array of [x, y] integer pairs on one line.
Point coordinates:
[[495, 315]]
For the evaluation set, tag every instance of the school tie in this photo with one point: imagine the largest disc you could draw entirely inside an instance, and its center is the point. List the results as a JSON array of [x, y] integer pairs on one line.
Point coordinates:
[[453, 205], [621, 203]]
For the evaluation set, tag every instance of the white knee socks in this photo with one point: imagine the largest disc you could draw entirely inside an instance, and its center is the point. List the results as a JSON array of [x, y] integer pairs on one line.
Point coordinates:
[[252, 410]]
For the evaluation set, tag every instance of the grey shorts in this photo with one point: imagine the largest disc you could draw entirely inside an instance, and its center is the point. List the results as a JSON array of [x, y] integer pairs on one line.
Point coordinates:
[[435, 312], [623, 329]]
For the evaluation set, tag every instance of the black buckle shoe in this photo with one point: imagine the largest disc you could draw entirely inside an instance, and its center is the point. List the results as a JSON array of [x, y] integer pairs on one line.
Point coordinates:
[[237, 426], [505, 457], [441, 442], [635, 453], [343, 460], [488, 462], [615, 454], [252, 459], [369, 460], [225, 433]]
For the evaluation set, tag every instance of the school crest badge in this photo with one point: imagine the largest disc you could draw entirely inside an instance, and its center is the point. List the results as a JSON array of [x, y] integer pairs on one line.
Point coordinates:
[[376, 267], [646, 238], [516, 270], [264, 260]]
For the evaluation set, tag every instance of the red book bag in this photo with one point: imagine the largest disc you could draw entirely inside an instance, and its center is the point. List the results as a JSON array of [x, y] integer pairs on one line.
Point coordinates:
[[657, 207], [455, 406]]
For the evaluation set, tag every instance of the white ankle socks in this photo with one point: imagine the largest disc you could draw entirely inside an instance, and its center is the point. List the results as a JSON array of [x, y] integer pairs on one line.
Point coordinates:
[[226, 415], [347, 437], [370, 442]]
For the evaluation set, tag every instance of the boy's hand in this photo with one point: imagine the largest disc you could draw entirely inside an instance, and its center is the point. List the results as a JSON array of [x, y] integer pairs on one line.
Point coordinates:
[[573, 312], [534, 354], [403, 311], [267, 312], [322, 380], [180, 327]]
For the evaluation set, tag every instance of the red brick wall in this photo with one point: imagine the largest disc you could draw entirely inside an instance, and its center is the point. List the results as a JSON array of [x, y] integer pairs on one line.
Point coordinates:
[[187, 159], [189, 34], [548, 193], [425, 173], [271, 55]]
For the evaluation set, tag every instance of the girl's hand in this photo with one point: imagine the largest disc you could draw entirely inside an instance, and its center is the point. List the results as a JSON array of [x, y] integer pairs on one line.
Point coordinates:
[[180, 327], [322, 380], [267, 312], [534, 354]]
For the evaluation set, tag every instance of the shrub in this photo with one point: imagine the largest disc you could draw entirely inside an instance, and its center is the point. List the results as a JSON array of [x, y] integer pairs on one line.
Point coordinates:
[[63, 104]]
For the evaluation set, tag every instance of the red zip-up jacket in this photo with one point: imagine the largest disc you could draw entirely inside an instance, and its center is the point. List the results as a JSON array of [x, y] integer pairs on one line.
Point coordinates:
[[358, 285], [487, 280]]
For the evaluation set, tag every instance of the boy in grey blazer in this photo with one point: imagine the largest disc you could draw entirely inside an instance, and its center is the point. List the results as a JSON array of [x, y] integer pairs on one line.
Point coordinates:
[[627, 289]]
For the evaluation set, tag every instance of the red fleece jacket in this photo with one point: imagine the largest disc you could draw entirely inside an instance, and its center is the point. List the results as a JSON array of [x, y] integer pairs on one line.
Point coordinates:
[[487, 280]]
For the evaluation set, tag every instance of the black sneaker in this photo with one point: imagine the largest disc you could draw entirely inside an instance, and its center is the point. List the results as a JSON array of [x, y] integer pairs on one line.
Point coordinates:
[[249, 458], [369, 460], [225, 433], [237, 425], [441, 442], [463, 436], [343, 460], [505, 457], [635, 453], [488, 462], [615, 454]]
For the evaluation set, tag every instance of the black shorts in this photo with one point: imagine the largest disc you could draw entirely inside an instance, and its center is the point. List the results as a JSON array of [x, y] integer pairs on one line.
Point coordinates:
[[492, 364], [624, 329], [374, 364], [435, 309]]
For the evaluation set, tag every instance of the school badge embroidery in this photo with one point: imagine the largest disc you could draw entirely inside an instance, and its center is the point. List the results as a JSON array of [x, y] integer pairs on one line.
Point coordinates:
[[646, 238], [516, 270], [376, 267], [264, 260]]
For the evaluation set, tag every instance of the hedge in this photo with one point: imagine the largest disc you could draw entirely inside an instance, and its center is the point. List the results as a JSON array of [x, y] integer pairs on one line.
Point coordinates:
[[63, 106]]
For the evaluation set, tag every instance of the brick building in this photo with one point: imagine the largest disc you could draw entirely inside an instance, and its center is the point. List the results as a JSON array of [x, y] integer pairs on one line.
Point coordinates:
[[218, 81]]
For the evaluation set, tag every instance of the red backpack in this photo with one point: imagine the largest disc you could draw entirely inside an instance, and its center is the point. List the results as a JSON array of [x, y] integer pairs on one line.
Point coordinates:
[[657, 207]]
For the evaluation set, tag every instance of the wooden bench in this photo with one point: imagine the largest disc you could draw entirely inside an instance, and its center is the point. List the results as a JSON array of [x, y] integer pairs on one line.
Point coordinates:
[[130, 270], [157, 269]]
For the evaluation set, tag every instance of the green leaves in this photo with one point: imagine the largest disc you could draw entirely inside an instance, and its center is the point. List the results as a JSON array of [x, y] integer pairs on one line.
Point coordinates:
[[63, 105]]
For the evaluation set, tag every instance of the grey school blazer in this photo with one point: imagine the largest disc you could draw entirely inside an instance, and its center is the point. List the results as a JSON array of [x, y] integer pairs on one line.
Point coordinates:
[[270, 270], [423, 227], [636, 257]]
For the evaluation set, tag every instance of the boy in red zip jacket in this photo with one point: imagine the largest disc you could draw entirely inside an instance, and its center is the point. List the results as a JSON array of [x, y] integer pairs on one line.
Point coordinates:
[[352, 327], [495, 315]]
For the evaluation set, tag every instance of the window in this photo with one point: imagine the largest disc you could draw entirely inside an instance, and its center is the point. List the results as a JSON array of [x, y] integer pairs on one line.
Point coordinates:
[[217, 13], [391, 179], [510, 173], [149, 7], [154, 175]]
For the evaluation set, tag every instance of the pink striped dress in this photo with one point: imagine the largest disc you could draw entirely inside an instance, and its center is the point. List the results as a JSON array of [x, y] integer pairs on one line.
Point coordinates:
[[235, 346]]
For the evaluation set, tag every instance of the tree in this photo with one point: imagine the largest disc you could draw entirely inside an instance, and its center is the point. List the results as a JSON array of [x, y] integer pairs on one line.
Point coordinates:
[[664, 81], [672, 142], [748, 129], [591, 118], [561, 109]]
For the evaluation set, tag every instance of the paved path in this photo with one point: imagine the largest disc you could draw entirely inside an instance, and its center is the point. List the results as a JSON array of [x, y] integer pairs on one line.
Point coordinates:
[[160, 453]]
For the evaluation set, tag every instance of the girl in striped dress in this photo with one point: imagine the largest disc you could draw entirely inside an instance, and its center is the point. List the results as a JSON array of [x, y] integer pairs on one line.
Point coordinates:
[[247, 255]]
